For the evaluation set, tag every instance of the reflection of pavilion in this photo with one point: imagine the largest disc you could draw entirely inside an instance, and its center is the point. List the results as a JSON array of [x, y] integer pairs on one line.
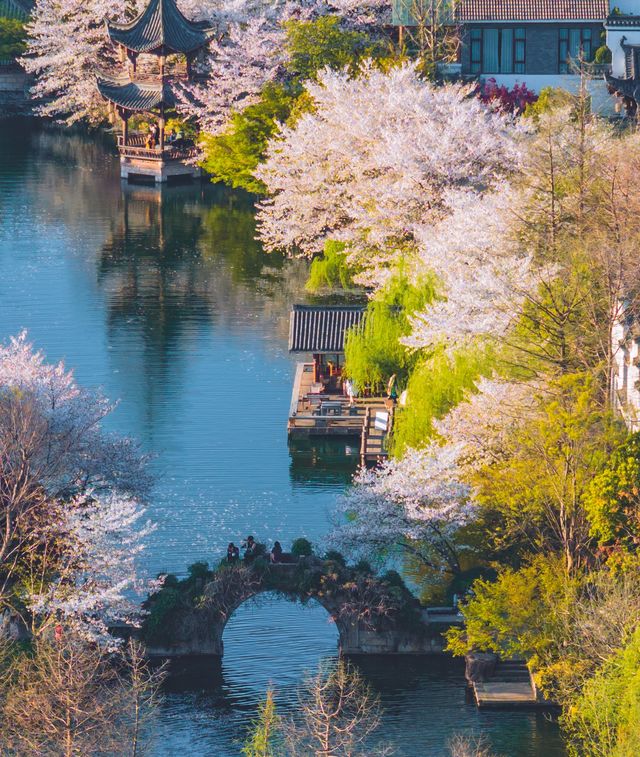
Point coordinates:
[[160, 45]]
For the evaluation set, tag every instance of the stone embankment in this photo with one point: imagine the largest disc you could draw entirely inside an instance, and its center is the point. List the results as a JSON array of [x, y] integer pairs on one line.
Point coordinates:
[[13, 91]]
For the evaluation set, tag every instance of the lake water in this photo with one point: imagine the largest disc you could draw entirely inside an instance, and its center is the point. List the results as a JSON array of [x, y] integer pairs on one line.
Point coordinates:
[[165, 301]]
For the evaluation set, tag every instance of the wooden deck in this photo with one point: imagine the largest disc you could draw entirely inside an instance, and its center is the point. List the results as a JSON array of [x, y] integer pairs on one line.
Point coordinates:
[[320, 414]]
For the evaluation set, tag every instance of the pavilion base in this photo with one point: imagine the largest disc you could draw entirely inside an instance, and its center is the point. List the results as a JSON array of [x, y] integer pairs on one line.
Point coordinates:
[[158, 171]]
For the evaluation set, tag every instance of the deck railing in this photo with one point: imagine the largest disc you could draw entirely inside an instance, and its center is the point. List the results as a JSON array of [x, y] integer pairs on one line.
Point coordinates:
[[136, 148]]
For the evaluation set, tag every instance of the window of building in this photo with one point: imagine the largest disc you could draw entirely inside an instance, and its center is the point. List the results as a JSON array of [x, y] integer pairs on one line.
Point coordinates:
[[572, 44], [498, 51]]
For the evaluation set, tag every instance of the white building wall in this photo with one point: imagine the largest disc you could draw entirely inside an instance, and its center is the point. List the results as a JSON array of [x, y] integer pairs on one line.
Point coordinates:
[[626, 372], [616, 33]]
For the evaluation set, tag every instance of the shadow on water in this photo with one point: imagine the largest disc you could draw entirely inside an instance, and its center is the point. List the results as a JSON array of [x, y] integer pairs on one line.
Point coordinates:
[[322, 460]]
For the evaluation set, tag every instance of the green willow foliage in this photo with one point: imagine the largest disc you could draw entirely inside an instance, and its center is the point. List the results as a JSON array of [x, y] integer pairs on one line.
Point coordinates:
[[436, 384], [373, 352], [331, 271], [232, 157]]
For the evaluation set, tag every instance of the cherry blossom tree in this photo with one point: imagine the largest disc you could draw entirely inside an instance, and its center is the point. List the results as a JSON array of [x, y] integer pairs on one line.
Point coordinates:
[[90, 580], [485, 275], [71, 524], [238, 65], [67, 40], [415, 504], [372, 163], [251, 51], [483, 424], [419, 503]]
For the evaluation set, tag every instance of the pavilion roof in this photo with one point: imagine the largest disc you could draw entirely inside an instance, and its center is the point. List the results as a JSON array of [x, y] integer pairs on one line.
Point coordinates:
[[160, 27], [321, 329], [135, 96]]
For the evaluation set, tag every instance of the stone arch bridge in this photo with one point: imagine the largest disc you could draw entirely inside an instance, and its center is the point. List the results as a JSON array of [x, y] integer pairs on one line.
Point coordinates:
[[373, 615]]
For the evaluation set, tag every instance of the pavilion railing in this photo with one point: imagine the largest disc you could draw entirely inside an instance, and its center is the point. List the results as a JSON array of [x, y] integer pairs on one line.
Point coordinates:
[[136, 148]]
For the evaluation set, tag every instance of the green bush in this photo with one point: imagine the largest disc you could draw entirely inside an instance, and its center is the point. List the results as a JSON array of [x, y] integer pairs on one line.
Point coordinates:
[[302, 548], [314, 45], [334, 556], [13, 36], [602, 55], [170, 582], [364, 566], [163, 605], [605, 718], [233, 156], [612, 500], [199, 570]]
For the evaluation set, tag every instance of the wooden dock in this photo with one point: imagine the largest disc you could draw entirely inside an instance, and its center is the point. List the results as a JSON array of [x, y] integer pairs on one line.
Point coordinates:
[[314, 413]]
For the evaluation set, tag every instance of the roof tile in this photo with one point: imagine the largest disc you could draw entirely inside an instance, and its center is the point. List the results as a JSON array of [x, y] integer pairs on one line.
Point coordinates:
[[321, 329], [532, 10]]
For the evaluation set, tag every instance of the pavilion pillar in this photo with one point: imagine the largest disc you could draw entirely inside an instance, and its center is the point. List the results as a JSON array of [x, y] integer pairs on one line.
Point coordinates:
[[161, 124], [124, 115]]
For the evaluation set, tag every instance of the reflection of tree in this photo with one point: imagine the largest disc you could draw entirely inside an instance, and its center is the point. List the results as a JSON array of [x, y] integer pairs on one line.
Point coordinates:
[[70, 176], [180, 259]]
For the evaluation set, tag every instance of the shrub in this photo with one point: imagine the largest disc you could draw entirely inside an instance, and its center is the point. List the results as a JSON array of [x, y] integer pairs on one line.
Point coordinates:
[[199, 570], [364, 566], [233, 156], [334, 556], [302, 548], [13, 37], [156, 626], [602, 55], [170, 582], [515, 100]]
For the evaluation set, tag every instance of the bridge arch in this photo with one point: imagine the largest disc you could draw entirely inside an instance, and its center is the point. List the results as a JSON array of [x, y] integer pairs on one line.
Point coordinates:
[[373, 615]]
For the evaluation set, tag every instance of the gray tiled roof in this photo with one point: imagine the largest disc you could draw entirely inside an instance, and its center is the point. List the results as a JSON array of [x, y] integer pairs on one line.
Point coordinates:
[[532, 10], [321, 329], [160, 26], [134, 96]]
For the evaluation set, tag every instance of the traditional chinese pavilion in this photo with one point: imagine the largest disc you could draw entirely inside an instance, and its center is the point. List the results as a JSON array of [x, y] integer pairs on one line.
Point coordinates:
[[157, 50]]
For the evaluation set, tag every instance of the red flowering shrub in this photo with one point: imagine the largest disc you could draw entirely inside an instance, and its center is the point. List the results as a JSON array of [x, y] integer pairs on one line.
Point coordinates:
[[507, 100]]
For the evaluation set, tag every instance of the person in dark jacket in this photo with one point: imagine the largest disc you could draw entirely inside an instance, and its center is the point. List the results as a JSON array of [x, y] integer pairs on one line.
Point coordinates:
[[276, 552]]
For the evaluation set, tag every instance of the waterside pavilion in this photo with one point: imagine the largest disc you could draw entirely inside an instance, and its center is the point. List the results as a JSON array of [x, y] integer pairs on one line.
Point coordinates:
[[157, 50], [319, 404]]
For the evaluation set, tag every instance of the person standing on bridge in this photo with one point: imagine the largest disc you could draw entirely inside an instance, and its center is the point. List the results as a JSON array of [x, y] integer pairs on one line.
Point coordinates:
[[249, 546], [233, 553], [276, 552]]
